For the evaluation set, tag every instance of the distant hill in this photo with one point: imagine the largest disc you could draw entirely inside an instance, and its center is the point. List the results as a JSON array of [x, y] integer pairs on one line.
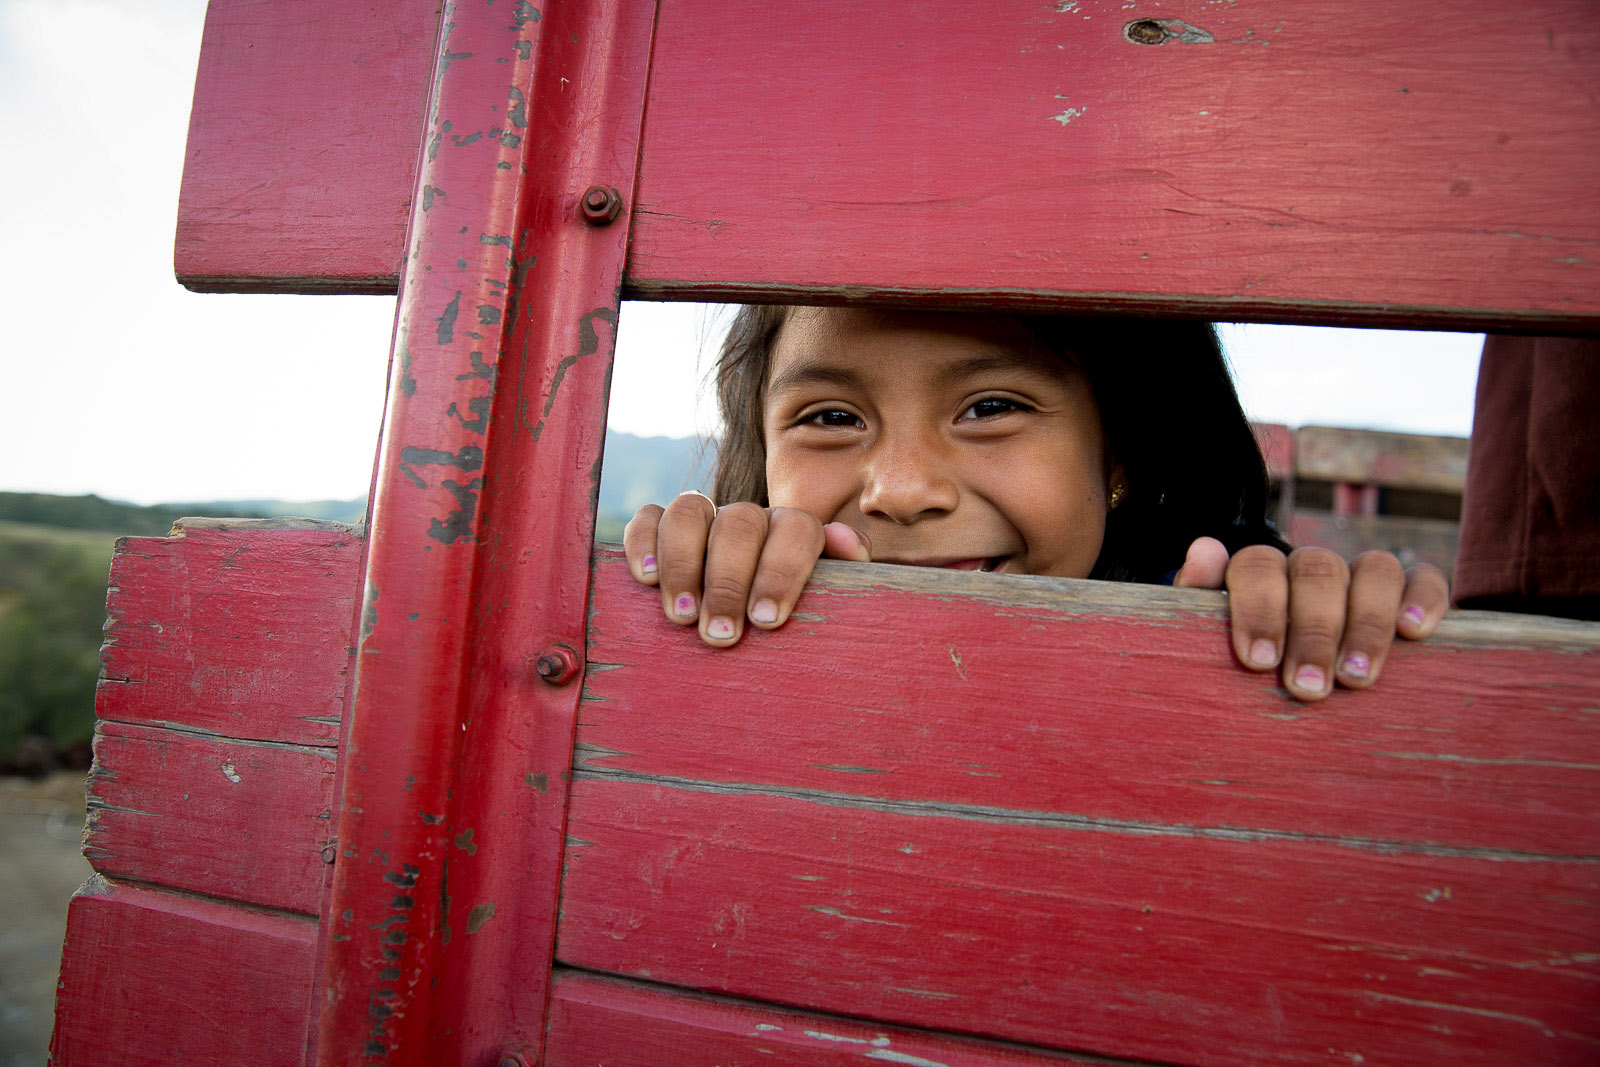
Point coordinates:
[[648, 470], [636, 471]]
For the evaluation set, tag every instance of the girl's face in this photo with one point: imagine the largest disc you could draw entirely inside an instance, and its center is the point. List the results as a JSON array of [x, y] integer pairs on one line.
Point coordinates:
[[950, 440]]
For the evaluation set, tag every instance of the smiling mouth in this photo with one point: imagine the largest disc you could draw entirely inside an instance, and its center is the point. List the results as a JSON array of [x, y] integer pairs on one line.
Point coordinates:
[[983, 564]]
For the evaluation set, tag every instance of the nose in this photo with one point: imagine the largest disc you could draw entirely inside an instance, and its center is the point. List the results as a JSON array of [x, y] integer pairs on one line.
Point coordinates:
[[908, 477]]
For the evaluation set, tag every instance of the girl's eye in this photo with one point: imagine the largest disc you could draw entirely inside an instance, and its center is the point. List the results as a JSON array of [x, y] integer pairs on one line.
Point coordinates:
[[991, 406], [832, 417]]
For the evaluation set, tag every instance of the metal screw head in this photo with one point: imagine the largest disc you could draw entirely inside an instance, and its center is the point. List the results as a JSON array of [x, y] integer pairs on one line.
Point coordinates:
[[601, 205], [330, 852], [557, 665]]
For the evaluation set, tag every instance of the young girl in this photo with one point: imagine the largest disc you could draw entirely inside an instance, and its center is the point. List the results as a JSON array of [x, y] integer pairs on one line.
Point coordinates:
[[1081, 448]]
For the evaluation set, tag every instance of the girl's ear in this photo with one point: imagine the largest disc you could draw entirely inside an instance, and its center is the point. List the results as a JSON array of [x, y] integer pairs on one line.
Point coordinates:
[[1116, 486]]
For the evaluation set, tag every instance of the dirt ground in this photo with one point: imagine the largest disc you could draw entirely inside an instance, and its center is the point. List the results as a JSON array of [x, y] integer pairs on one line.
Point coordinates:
[[41, 864]]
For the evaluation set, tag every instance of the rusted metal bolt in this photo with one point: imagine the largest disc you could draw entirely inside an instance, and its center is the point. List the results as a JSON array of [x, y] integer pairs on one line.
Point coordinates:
[[557, 665], [601, 205], [513, 1058]]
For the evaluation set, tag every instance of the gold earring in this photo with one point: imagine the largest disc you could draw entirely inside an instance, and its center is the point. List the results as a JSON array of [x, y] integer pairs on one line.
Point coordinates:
[[1118, 491]]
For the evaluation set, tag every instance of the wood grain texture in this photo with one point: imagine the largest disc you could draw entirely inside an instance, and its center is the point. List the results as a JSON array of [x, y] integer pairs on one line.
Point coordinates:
[[153, 979], [237, 820], [601, 1020], [303, 140], [235, 629], [1397, 460], [1047, 846], [1325, 160]]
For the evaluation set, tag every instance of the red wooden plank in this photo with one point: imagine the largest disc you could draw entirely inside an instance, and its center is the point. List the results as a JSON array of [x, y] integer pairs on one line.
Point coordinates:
[[151, 978], [1337, 160], [239, 820], [1166, 943], [1463, 744], [454, 795], [595, 1019], [1047, 848], [302, 144], [239, 629]]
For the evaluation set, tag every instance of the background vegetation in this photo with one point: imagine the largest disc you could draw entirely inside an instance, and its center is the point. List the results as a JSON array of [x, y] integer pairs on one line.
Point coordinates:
[[55, 554]]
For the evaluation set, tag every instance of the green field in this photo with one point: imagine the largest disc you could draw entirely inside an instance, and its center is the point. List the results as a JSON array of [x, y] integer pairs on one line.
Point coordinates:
[[52, 608]]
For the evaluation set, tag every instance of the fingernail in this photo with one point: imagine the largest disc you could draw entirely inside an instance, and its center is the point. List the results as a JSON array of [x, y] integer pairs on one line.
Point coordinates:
[[764, 610], [1356, 665], [685, 606], [648, 565], [1263, 653], [1416, 614], [1310, 679], [720, 627]]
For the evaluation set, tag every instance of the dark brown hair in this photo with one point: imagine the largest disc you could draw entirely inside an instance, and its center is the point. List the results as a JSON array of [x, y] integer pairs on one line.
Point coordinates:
[[1167, 404]]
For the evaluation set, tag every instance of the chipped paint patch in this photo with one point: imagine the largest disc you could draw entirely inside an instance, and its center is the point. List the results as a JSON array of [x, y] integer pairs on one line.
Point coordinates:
[[479, 916], [891, 1056], [230, 774], [540, 781], [837, 914], [1069, 114]]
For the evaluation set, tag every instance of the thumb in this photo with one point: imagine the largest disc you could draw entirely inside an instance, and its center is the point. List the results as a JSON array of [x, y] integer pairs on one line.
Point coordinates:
[[1205, 566], [845, 542]]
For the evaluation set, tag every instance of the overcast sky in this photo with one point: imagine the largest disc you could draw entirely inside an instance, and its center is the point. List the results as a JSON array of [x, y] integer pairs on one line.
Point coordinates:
[[119, 382]]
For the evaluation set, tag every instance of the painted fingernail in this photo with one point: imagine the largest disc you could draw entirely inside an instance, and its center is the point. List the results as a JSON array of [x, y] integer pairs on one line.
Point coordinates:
[[1311, 679], [719, 627], [764, 610], [1263, 653], [685, 606], [1356, 665], [647, 565], [1416, 614]]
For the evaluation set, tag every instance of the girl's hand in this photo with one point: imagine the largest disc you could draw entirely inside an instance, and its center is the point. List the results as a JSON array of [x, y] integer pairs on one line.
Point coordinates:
[[720, 567], [1315, 617]]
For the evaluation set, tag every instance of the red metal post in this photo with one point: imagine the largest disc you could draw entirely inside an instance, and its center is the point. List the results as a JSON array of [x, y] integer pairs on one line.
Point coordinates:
[[455, 775]]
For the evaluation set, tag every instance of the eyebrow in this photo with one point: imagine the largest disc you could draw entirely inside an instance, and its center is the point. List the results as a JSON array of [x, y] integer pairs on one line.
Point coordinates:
[[813, 372], [819, 370]]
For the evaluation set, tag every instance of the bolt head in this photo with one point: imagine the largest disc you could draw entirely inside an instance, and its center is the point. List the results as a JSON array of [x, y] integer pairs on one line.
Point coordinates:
[[557, 665], [601, 205]]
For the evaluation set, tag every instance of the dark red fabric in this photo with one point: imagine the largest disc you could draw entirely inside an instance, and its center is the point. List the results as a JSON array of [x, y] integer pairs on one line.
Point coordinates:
[[1530, 522]]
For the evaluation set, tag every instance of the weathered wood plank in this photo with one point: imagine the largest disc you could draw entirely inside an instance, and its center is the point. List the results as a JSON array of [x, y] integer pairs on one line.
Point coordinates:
[[153, 978], [306, 126], [1395, 460], [238, 629], [238, 820], [598, 1019], [1301, 162], [1274, 172], [1041, 845]]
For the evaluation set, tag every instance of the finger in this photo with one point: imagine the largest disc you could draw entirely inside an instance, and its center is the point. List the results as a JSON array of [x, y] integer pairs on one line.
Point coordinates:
[[1319, 587], [1258, 599], [846, 542], [737, 535], [794, 541], [681, 553], [1376, 582], [639, 543], [1426, 598], [1205, 566]]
